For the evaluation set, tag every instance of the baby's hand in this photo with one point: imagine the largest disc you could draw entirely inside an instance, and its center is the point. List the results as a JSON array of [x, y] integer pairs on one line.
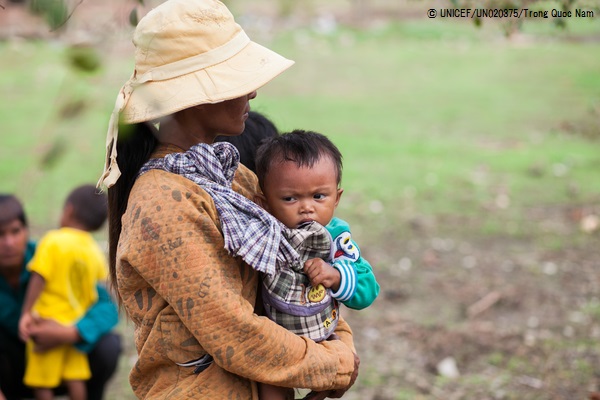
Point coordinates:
[[319, 272]]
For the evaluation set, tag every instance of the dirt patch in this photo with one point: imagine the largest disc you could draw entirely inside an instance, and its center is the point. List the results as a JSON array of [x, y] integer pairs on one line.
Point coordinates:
[[514, 318]]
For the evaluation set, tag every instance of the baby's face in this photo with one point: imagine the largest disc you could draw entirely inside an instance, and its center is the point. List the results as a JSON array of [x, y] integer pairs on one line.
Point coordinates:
[[295, 195]]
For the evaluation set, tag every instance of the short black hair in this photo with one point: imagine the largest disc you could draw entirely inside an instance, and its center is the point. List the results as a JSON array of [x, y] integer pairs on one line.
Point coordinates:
[[90, 207], [257, 128], [305, 148], [11, 209]]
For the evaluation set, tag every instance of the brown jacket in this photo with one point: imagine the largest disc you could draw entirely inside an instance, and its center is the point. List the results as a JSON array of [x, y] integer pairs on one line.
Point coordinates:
[[188, 297]]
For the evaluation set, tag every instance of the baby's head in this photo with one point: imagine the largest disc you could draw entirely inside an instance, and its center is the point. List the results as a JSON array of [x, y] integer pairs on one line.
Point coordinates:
[[85, 209], [299, 173]]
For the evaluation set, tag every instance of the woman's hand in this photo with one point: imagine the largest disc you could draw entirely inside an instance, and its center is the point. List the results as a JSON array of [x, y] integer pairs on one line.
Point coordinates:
[[317, 395], [336, 394]]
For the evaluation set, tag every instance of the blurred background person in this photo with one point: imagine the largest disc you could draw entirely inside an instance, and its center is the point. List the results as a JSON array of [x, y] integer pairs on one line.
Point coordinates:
[[91, 334], [67, 267]]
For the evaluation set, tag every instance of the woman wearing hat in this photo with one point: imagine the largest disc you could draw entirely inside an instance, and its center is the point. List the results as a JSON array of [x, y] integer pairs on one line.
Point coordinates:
[[186, 244]]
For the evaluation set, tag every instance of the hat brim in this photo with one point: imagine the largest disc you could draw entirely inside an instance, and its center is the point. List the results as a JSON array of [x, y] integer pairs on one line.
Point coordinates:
[[248, 70]]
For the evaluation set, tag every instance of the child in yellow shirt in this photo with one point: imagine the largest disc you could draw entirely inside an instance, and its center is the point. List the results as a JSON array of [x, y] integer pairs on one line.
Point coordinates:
[[65, 270]]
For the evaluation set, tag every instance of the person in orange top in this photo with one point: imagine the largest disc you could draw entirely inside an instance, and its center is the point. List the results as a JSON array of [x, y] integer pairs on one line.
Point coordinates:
[[186, 243]]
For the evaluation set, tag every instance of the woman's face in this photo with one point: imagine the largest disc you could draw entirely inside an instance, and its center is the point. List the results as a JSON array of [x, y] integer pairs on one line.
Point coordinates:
[[225, 118], [203, 123]]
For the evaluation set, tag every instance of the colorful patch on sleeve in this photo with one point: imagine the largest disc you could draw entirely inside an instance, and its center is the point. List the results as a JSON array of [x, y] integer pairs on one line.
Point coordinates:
[[345, 247]]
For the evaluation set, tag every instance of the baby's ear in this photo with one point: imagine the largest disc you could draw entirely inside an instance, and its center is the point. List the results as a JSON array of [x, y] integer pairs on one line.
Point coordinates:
[[338, 196], [261, 200]]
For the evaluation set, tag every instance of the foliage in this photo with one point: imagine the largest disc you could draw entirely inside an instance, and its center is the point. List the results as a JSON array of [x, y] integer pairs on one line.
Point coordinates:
[[55, 12], [84, 58]]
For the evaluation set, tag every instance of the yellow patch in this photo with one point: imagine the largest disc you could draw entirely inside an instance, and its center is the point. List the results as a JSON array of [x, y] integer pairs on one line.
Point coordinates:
[[317, 293]]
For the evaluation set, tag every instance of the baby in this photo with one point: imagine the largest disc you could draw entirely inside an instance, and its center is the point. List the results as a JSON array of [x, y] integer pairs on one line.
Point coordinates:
[[300, 173]]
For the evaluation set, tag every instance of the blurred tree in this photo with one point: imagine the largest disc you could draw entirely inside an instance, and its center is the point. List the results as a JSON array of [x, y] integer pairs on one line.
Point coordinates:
[[55, 12], [133, 15]]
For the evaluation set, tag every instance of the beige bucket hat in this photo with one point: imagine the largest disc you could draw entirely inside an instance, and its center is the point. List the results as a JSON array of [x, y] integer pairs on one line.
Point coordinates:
[[187, 53]]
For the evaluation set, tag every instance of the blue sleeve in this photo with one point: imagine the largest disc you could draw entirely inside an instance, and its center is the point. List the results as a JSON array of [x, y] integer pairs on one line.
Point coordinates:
[[99, 320], [358, 286], [10, 312], [11, 301]]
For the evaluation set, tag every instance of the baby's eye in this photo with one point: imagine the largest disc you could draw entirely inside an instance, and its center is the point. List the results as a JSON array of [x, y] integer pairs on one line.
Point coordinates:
[[319, 196], [288, 199]]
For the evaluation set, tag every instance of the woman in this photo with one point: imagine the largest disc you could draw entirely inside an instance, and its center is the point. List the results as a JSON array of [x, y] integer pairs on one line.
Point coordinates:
[[180, 222]]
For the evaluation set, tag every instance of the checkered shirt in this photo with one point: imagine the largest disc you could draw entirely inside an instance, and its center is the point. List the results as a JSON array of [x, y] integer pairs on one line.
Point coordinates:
[[286, 294], [249, 231]]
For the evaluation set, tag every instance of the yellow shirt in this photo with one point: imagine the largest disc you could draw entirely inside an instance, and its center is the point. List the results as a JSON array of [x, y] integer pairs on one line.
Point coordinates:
[[71, 263]]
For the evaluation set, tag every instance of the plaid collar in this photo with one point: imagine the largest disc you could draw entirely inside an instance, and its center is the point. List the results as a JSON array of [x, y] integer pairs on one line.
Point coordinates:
[[310, 240], [249, 231]]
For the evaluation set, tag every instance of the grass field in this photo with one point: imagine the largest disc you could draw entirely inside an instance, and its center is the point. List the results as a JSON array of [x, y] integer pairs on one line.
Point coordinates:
[[427, 110], [462, 148]]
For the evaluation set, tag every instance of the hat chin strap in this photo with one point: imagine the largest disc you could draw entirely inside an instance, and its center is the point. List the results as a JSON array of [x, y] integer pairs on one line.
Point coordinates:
[[111, 172]]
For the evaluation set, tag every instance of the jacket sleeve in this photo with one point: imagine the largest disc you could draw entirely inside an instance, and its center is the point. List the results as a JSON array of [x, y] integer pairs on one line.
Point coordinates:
[[11, 303], [358, 286], [98, 321], [178, 248], [10, 312]]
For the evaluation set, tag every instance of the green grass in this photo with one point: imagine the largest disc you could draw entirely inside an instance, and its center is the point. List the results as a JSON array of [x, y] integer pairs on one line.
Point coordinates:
[[432, 118], [449, 120], [45, 154]]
